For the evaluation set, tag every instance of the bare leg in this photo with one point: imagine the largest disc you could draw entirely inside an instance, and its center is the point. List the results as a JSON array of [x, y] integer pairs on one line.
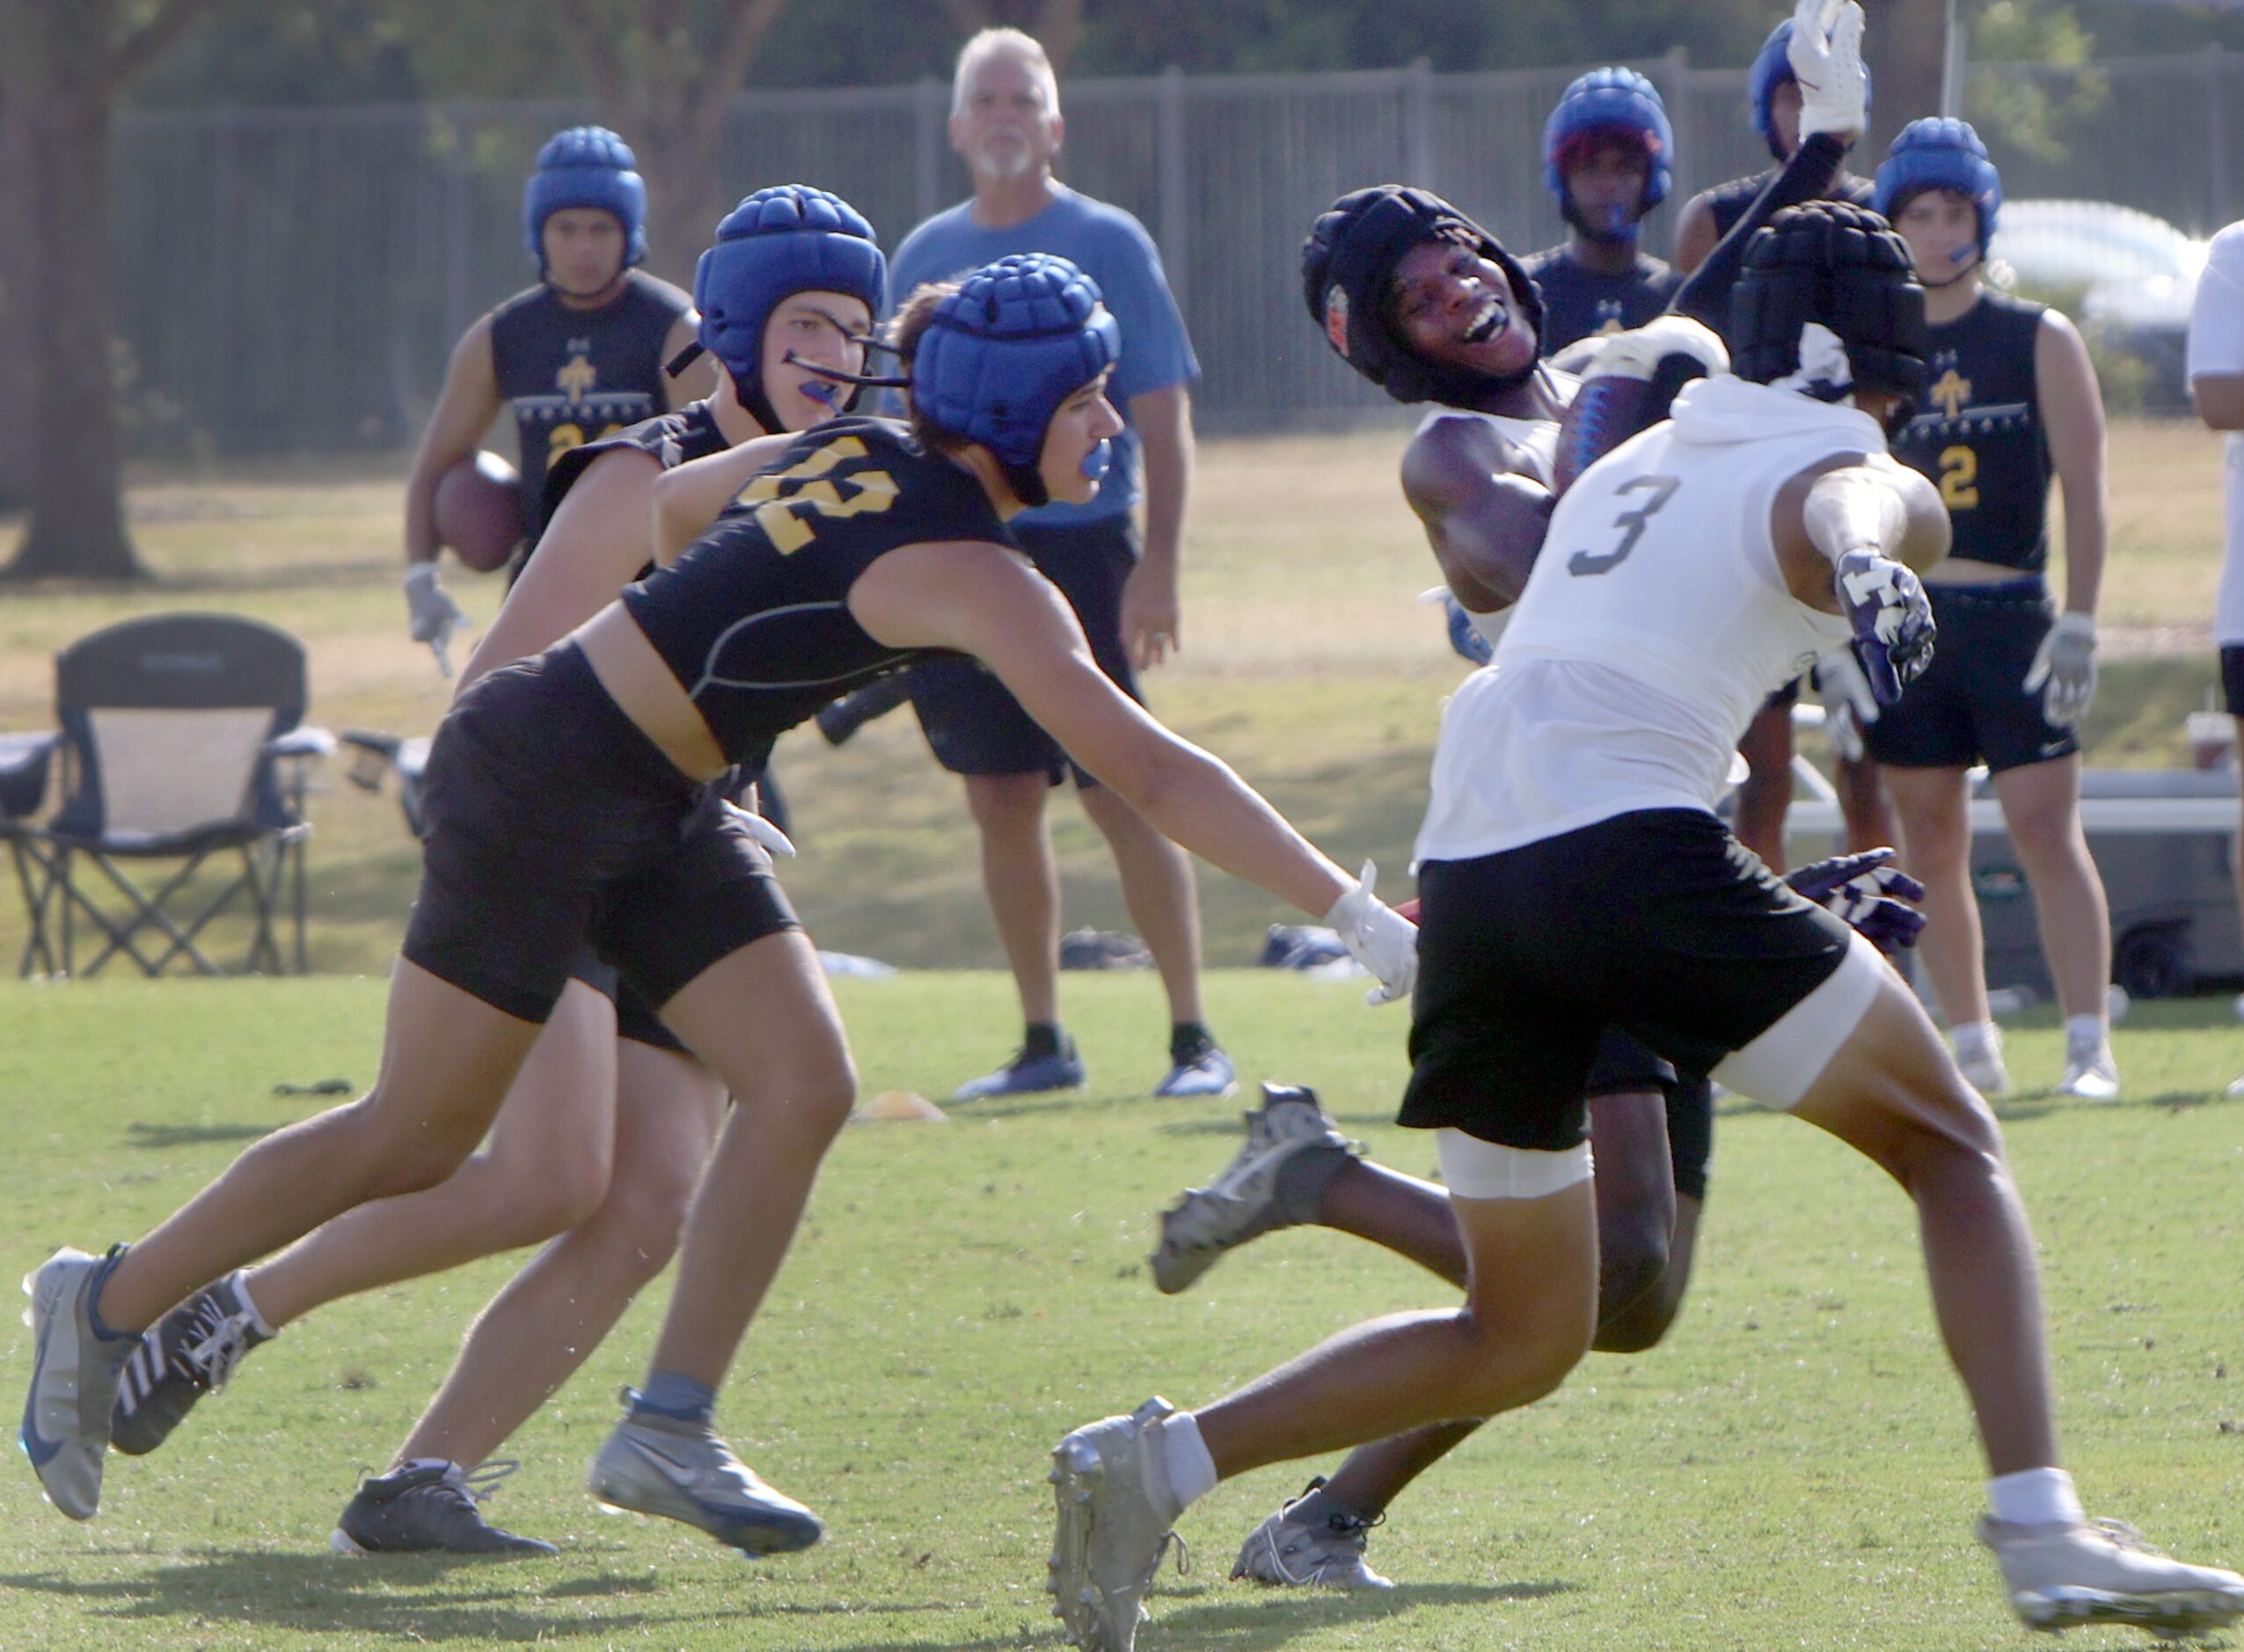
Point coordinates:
[[764, 1020], [1642, 1232], [1893, 1093], [2041, 802], [545, 1170], [1528, 1317], [1022, 880], [1160, 893], [1862, 804], [1935, 807], [1767, 795], [447, 1061], [540, 1328]]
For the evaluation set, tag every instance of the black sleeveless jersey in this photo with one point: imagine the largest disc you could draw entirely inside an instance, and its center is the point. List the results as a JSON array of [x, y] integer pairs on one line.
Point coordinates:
[[1729, 201], [1980, 434], [1578, 300], [754, 619], [574, 376], [672, 438]]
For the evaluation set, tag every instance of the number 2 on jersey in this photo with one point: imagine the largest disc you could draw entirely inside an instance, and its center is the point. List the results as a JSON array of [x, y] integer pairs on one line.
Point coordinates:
[[874, 491], [1959, 469], [1631, 522]]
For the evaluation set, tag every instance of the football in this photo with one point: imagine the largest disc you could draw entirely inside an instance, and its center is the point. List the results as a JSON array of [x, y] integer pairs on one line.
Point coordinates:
[[476, 514]]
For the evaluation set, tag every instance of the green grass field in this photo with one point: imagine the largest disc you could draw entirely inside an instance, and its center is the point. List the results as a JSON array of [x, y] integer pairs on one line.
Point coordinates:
[[1306, 665], [1793, 1468]]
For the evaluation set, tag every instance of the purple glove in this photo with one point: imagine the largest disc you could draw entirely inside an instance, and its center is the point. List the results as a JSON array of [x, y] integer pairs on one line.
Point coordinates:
[[1892, 618], [1867, 894]]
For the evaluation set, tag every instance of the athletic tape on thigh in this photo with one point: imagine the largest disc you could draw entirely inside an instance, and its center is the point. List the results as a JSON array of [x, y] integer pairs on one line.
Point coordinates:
[[1777, 1068], [1475, 1169]]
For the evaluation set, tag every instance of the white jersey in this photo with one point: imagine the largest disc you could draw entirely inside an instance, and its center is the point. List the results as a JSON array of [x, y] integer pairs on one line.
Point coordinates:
[[2217, 347], [1654, 626], [1537, 442]]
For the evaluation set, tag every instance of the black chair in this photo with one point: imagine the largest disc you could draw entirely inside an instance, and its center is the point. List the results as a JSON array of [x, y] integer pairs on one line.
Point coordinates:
[[183, 743]]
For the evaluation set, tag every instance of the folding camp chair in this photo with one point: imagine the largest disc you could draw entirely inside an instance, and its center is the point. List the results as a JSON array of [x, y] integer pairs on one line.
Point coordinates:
[[183, 743]]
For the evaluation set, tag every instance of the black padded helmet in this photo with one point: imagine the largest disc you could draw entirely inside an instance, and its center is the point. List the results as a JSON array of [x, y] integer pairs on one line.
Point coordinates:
[[1347, 264], [1841, 267]]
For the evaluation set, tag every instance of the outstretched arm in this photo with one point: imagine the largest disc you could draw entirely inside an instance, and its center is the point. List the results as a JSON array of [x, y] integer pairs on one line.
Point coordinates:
[[1807, 176]]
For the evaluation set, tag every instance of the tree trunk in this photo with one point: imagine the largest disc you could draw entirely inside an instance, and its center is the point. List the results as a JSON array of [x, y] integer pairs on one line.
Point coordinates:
[[686, 197], [15, 333], [1904, 45], [62, 58]]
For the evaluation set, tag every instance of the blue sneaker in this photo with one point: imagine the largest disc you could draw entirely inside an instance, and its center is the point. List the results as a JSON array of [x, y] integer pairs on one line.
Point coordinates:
[[1207, 1074], [74, 1378], [1028, 1075]]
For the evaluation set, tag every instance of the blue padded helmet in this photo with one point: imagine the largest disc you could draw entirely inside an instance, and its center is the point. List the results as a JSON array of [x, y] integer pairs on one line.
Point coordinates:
[[1770, 70], [1001, 354], [1617, 101], [790, 238], [1940, 152], [586, 166]]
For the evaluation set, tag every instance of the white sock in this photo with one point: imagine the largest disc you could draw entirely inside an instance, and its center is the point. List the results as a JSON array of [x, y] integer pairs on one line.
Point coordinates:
[[2086, 1033], [1184, 1454], [2035, 1497], [256, 1319], [1974, 1041]]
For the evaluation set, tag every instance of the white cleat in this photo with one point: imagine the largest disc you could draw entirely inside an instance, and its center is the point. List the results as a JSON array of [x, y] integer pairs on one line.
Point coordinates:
[[1115, 1515], [2091, 1074], [1289, 1552], [2060, 1575], [1241, 1202], [74, 1376]]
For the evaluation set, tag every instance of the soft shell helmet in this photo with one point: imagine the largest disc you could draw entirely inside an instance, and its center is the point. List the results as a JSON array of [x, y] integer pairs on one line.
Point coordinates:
[[1771, 69], [1347, 264], [1940, 152], [1840, 268], [790, 238], [586, 166], [1610, 102]]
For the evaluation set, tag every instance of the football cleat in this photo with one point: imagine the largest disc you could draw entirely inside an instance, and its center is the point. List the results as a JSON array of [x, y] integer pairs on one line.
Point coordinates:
[[655, 1465], [2061, 1574], [1311, 1542], [1115, 1512], [1028, 1075], [1241, 1203], [429, 1508], [65, 1430], [1208, 1075], [2090, 1073], [191, 1352]]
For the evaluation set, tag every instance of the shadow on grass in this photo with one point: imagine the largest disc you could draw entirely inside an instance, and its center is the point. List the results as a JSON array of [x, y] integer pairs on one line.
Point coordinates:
[[139, 1134]]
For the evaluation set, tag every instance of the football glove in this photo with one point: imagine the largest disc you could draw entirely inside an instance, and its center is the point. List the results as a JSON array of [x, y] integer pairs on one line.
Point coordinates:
[[776, 842], [1866, 892], [1825, 52], [1886, 607], [1849, 707], [431, 615], [2063, 671], [1378, 938]]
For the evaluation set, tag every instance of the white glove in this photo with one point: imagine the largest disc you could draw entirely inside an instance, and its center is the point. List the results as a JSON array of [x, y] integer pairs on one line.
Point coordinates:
[[1639, 352], [2065, 669], [1825, 52], [1849, 705], [1379, 938], [776, 842], [431, 616]]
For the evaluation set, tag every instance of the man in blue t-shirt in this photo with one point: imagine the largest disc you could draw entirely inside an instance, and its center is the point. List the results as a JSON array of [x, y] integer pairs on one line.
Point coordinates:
[[1006, 122]]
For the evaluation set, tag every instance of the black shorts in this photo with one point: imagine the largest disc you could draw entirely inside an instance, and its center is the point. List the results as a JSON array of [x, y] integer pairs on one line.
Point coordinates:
[[972, 721], [1971, 704], [2232, 678], [635, 1017], [1657, 922], [553, 821], [1622, 1066]]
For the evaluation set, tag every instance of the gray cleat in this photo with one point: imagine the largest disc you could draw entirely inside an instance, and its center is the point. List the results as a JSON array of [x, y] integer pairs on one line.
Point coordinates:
[[191, 1352], [430, 1509], [682, 1471], [74, 1375], [1241, 1203], [2061, 1574], [1311, 1542], [1115, 1515]]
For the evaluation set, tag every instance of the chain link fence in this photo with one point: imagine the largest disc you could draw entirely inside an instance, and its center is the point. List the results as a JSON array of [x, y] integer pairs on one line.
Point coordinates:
[[293, 280]]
